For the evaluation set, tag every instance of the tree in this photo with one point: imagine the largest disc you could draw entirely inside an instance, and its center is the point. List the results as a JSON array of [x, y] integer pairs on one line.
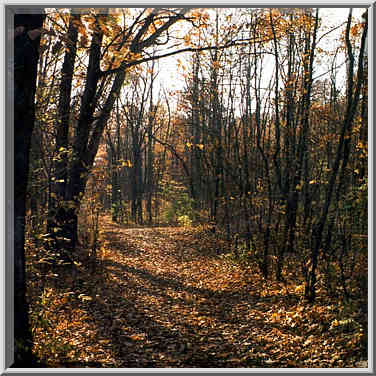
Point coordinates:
[[123, 49], [26, 45], [354, 86]]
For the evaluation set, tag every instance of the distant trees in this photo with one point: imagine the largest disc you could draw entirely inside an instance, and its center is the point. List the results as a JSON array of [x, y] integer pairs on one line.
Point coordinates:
[[130, 145], [111, 50], [262, 142], [273, 156]]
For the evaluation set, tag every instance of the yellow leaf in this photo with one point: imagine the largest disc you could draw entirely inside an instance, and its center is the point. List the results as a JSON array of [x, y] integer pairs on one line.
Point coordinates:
[[136, 337], [187, 39], [84, 297], [299, 288]]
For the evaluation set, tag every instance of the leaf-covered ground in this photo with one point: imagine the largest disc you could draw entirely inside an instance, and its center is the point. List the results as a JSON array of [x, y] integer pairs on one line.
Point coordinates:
[[165, 297]]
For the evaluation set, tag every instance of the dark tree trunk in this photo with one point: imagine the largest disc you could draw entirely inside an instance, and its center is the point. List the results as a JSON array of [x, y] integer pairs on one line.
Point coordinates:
[[149, 186], [57, 209], [86, 144], [90, 124], [25, 72], [353, 93], [66, 217]]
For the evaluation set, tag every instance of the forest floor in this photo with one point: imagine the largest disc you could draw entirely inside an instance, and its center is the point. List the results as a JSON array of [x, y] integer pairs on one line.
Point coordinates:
[[167, 297]]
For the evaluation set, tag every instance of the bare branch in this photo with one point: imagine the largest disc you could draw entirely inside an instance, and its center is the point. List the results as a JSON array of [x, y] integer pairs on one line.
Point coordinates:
[[125, 65]]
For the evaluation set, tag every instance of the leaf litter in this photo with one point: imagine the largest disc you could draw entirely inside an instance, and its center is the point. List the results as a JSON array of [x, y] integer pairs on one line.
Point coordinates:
[[165, 297]]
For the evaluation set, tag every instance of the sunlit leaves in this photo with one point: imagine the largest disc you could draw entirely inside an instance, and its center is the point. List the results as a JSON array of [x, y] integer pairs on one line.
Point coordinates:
[[164, 296], [154, 285], [84, 297]]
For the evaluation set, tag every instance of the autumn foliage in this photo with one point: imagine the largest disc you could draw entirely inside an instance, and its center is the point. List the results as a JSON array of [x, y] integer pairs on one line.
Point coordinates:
[[164, 297], [222, 222]]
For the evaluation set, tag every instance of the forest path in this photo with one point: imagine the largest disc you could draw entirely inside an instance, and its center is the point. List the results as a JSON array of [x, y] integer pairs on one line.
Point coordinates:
[[176, 303], [185, 308], [164, 297]]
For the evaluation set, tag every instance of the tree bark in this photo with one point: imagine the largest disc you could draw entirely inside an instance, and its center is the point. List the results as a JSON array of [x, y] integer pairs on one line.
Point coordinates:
[[91, 125], [26, 57], [351, 108], [56, 210]]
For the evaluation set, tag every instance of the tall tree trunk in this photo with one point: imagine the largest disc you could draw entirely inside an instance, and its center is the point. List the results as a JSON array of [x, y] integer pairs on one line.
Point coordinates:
[[56, 210], [353, 93], [149, 176], [91, 125], [26, 57]]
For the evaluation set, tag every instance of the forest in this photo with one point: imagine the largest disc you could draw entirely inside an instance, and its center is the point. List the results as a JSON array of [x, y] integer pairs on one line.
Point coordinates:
[[190, 188]]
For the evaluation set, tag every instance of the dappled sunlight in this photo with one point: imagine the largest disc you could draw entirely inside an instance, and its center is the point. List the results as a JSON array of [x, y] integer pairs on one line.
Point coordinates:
[[145, 307], [212, 217]]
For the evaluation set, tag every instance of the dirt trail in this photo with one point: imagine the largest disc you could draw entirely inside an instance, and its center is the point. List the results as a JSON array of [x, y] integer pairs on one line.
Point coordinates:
[[178, 314], [164, 297], [180, 305]]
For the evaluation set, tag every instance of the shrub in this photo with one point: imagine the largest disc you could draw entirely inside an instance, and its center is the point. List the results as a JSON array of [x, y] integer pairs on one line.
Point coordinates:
[[184, 221]]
